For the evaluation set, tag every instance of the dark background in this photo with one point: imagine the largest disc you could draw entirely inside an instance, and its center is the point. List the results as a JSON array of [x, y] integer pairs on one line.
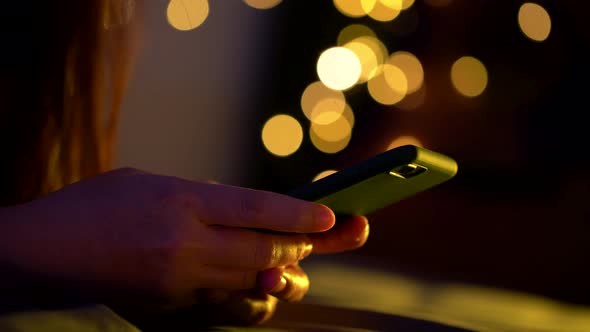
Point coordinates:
[[517, 214]]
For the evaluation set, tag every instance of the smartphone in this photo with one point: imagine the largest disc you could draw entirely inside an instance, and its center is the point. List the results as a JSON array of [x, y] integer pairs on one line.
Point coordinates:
[[379, 181]]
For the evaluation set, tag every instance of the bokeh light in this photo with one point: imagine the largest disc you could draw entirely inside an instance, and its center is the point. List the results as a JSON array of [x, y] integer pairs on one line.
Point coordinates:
[[350, 8], [389, 86], [321, 104], [262, 4], [333, 137], [404, 140], [323, 174], [534, 21], [367, 57], [185, 15], [338, 68], [371, 53], [382, 10], [282, 135], [411, 67], [469, 76], [406, 4], [354, 31]]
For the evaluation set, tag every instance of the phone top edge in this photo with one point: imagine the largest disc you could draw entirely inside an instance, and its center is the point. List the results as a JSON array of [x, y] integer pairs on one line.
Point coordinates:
[[368, 168]]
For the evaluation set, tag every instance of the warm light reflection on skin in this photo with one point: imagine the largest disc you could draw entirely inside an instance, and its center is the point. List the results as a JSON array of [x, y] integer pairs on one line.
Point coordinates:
[[282, 135], [350, 8], [338, 68], [404, 140], [534, 21], [185, 15], [469, 76], [389, 86], [323, 174], [382, 10], [321, 104], [411, 67], [262, 4]]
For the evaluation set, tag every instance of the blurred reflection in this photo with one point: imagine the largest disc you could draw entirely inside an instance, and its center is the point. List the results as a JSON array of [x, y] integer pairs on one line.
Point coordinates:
[[353, 285]]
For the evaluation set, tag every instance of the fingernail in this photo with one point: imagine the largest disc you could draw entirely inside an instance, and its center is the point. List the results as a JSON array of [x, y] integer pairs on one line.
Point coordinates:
[[364, 235], [279, 286], [324, 216]]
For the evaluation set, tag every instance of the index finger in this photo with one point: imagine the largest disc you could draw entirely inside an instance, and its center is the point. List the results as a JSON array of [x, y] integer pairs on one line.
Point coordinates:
[[248, 208]]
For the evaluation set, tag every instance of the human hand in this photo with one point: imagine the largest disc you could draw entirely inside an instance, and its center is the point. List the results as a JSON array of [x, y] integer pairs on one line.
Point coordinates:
[[127, 233], [287, 284]]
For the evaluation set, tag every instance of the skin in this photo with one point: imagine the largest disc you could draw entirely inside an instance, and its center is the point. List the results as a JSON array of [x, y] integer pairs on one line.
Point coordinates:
[[174, 243]]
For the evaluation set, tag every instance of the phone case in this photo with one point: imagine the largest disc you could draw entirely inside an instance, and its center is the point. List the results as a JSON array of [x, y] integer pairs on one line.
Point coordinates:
[[380, 181]]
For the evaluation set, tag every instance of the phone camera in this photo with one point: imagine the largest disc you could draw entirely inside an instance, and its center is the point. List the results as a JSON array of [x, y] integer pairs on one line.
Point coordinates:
[[407, 171]]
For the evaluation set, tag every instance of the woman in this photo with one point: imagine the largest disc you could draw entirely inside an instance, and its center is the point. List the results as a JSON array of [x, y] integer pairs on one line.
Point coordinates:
[[73, 232]]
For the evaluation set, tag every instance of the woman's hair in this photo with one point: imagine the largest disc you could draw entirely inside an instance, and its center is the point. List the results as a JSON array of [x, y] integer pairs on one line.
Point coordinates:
[[63, 68]]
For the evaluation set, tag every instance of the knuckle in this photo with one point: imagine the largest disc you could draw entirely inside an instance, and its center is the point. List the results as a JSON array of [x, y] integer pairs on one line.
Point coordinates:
[[250, 208], [264, 252]]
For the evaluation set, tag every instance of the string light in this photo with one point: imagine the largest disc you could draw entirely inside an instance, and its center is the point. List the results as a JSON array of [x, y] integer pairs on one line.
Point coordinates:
[[469, 76], [534, 21], [185, 15], [262, 4], [282, 135]]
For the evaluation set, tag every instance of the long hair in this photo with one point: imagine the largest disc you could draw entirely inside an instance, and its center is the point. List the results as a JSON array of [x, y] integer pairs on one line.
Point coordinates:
[[63, 68]]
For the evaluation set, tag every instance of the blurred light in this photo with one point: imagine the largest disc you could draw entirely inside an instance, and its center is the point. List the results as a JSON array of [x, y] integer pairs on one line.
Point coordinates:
[[282, 135], [334, 137], [389, 86], [406, 4], [404, 140], [371, 53], [321, 104], [438, 3], [354, 31], [327, 146], [413, 100], [382, 10], [469, 76], [335, 131], [350, 8], [534, 21], [411, 67], [338, 68], [186, 15], [323, 174], [367, 57], [262, 4]]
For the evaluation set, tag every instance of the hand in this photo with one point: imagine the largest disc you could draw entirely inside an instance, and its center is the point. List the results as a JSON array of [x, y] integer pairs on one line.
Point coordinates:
[[130, 234], [288, 284]]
